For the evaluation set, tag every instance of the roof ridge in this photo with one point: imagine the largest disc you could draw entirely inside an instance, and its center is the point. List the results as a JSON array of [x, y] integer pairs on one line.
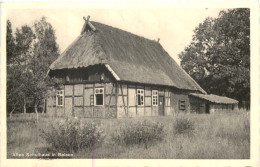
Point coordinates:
[[139, 36]]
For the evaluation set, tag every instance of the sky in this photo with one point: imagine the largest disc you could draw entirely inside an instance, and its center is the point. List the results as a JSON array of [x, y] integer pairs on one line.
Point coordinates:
[[174, 26]]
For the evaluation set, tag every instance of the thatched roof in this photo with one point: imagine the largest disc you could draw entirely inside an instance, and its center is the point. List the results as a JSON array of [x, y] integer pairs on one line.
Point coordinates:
[[132, 58], [215, 98]]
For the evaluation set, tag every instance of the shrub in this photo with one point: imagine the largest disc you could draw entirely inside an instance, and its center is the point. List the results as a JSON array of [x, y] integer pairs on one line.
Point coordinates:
[[142, 132], [70, 135], [184, 126]]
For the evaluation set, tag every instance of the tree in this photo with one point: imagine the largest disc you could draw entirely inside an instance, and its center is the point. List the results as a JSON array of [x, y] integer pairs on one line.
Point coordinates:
[[15, 95], [36, 49], [24, 38], [18, 52], [45, 51], [10, 49], [10, 54], [218, 57]]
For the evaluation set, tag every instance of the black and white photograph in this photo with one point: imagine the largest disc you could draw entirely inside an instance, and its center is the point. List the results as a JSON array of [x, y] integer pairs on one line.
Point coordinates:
[[128, 83]]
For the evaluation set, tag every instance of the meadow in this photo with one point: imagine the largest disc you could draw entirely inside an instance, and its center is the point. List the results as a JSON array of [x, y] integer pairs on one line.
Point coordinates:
[[183, 136]]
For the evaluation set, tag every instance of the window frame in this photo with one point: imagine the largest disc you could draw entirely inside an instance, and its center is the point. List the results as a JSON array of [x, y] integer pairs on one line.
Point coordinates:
[[98, 94], [153, 97], [141, 94], [180, 107], [60, 93]]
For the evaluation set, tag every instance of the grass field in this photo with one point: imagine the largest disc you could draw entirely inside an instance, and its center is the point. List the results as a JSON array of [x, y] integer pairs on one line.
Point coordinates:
[[214, 136]]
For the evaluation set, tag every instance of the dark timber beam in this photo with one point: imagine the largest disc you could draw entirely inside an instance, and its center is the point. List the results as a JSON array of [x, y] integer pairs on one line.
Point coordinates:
[[123, 100], [110, 97]]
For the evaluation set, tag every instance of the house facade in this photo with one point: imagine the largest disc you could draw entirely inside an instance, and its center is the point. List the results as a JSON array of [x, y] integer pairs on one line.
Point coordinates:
[[110, 73]]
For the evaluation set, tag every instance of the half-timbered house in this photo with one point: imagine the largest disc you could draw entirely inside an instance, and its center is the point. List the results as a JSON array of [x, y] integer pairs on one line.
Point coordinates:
[[110, 73]]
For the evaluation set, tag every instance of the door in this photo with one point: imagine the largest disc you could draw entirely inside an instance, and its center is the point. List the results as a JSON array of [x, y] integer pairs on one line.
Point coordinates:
[[207, 108], [161, 105], [68, 106]]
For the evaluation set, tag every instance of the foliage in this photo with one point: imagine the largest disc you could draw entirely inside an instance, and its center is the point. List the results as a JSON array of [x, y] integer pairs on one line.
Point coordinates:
[[45, 51], [218, 136], [143, 132], [71, 136], [15, 95], [183, 125], [24, 39], [29, 54], [18, 55], [10, 42], [218, 57]]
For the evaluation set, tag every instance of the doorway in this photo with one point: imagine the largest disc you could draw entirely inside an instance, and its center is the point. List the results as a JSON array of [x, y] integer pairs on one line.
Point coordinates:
[[207, 108], [68, 106], [161, 105]]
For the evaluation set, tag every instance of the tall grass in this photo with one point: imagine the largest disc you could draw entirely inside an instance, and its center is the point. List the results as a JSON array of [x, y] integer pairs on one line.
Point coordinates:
[[145, 133], [183, 125], [70, 135], [186, 136]]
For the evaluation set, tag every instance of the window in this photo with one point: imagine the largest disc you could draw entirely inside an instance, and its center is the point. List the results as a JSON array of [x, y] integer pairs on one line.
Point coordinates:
[[59, 98], [181, 104], [99, 97], [140, 97], [155, 97]]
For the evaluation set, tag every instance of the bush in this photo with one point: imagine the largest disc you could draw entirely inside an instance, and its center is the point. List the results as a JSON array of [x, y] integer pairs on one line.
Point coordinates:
[[70, 136], [183, 126], [142, 132]]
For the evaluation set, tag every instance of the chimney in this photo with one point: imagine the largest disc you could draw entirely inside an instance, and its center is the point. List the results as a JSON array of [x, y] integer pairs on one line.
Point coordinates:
[[158, 40]]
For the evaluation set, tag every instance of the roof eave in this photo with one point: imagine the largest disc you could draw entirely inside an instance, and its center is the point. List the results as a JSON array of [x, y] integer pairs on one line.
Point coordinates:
[[112, 72], [214, 102]]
